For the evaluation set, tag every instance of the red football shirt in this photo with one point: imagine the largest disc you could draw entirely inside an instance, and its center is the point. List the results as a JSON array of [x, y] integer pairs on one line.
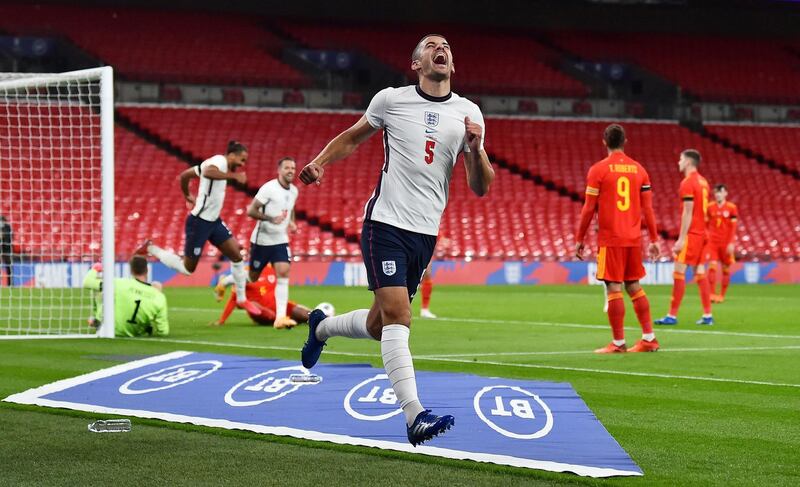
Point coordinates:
[[722, 220], [695, 188], [618, 182]]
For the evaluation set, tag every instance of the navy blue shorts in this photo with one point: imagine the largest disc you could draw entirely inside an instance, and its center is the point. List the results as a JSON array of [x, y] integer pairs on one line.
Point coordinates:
[[261, 255], [199, 231], [395, 257]]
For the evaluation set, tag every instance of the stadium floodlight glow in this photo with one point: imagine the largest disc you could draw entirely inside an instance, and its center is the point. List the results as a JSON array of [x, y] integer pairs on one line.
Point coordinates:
[[57, 193]]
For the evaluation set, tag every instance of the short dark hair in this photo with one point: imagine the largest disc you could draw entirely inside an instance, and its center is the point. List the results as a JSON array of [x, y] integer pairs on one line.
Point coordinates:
[[614, 136], [417, 52], [720, 187], [287, 158], [138, 264], [692, 154], [236, 147]]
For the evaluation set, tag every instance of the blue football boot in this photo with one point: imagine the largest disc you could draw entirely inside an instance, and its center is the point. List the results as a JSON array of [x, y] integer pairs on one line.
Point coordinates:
[[312, 349]]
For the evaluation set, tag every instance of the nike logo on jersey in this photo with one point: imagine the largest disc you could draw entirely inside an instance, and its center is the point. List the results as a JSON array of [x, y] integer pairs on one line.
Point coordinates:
[[430, 131]]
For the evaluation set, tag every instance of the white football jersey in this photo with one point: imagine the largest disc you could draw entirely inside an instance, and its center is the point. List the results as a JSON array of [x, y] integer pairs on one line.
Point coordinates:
[[211, 192], [275, 200], [422, 138]]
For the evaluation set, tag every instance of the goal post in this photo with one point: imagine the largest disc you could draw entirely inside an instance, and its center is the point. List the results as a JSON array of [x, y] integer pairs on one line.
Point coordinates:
[[57, 202]]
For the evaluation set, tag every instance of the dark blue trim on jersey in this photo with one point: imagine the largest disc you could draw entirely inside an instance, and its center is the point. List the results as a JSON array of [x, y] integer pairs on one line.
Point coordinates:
[[431, 97], [205, 200], [385, 169]]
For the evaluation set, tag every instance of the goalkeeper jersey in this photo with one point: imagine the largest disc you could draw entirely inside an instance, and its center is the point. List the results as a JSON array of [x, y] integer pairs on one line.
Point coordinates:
[[139, 308]]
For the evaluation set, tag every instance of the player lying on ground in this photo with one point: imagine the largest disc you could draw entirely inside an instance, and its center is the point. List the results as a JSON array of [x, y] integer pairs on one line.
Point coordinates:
[[722, 218], [140, 308], [262, 294], [203, 223], [689, 249], [425, 128], [618, 190]]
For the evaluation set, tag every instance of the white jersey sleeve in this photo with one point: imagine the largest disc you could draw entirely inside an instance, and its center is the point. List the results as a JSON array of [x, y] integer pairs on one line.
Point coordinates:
[[376, 111], [275, 200], [211, 192]]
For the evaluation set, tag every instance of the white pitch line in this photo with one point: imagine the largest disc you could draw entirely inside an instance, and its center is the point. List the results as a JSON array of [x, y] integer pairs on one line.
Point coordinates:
[[661, 329], [614, 372], [588, 352], [474, 362]]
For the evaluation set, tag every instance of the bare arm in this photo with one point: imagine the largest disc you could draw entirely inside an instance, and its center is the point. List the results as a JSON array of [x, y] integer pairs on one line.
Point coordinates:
[[337, 149], [480, 173], [187, 176], [254, 211]]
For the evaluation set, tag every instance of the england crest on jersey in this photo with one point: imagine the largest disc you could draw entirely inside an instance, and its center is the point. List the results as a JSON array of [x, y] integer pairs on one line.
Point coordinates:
[[431, 119]]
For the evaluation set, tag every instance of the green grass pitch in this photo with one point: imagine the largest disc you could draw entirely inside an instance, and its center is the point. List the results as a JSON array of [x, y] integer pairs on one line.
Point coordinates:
[[717, 406]]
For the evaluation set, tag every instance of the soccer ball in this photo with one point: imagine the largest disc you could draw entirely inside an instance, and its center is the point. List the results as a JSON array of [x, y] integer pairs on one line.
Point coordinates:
[[327, 308]]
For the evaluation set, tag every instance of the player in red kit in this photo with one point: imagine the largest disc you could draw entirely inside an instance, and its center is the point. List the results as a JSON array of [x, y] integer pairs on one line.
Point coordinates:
[[262, 294], [618, 190], [722, 218], [690, 246]]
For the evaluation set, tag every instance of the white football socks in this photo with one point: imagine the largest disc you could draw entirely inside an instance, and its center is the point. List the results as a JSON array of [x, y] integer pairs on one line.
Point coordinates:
[[400, 369], [648, 336], [227, 280], [239, 280], [281, 297], [351, 325], [168, 259]]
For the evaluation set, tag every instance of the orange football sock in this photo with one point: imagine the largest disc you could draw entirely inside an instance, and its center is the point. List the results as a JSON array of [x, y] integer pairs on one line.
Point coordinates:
[[726, 279], [705, 293], [678, 288], [712, 278], [427, 290], [641, 305], [616, 315]]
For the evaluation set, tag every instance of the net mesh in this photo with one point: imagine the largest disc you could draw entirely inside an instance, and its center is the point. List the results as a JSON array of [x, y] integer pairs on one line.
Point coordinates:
[[50, 201]]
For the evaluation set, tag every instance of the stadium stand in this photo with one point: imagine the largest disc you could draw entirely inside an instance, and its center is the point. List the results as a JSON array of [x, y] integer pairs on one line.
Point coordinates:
[[500, 62], [538, 224], [562, 151], [777, 143], [731, 69], [233, 49], [500, 225]]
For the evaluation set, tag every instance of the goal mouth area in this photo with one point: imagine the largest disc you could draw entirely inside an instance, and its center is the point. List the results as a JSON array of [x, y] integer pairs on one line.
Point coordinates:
[[57, 200]]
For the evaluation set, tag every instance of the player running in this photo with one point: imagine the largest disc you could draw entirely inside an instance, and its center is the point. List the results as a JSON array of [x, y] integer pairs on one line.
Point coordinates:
[[262, 293], [618, 190], [425, 128], [722, 218], [140, 308], [203, 223], [689, 248], [273, 208]]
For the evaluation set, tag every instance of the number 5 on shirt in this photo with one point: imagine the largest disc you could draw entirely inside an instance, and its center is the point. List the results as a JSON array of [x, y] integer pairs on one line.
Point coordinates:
[[429, 146]]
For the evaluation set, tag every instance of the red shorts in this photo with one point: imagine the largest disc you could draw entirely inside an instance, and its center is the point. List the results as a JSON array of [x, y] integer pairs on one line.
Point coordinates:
[[262, 320], [719, 252], [618, 264], [693, 252]]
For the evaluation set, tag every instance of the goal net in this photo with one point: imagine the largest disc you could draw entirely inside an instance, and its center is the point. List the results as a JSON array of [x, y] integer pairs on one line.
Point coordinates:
[[56, 201]]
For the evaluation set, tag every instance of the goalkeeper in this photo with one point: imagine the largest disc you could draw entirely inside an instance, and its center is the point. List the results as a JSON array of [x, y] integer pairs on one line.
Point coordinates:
[[140, 308]]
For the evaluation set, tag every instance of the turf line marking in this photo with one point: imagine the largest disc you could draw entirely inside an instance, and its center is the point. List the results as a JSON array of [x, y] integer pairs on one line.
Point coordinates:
[[473, 362], [612, 372], [589, 352], [661, 329]]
